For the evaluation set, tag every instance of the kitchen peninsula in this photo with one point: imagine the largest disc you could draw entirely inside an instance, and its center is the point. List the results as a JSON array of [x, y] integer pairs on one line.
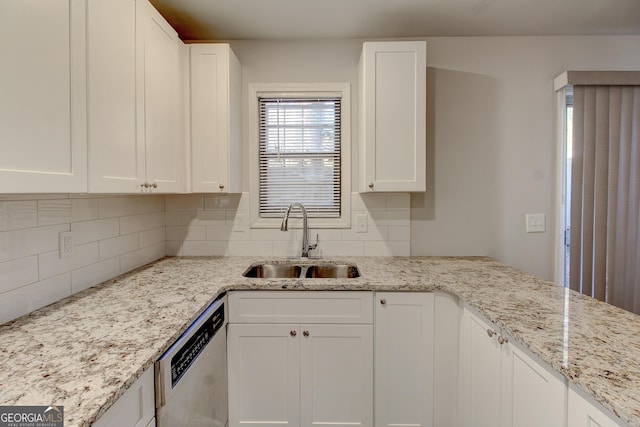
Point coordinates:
[[84, 352]]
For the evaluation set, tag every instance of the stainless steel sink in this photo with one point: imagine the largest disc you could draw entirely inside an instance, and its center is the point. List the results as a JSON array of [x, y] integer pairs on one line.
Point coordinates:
[[307, 271], [273, 271], [332, 271]]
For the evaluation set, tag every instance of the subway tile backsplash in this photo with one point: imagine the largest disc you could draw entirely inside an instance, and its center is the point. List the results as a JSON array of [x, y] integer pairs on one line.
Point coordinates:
[[111, 235], [115, 234], [199, 225]]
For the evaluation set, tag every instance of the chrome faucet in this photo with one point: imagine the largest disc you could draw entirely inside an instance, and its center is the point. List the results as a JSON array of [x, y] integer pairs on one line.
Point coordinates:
[[306, 247]]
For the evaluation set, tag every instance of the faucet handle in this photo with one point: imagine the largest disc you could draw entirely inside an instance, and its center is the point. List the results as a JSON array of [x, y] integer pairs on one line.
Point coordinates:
[[314, 245]]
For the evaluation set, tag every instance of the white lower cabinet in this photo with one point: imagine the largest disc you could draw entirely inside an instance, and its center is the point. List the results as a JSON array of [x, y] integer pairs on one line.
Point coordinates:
[[299, 374], [501, 385], [404, 327], [264, 374], [135, 408], [584, 412]]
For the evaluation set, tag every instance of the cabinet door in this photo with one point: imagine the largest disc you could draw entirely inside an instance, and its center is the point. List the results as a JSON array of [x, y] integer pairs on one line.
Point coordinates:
[[160, 121], [215, 118], [336, 375], [480, 372], [404, 328], [264, 375], [532, 394], [135, 408], [43, 145], [116, 160], [582, 412], [393, 116]]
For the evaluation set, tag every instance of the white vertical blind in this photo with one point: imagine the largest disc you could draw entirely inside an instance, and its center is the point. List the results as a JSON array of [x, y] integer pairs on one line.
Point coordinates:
[[299, 155]]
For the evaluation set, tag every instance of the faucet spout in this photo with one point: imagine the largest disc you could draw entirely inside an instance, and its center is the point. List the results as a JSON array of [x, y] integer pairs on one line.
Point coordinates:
[[306, 247]]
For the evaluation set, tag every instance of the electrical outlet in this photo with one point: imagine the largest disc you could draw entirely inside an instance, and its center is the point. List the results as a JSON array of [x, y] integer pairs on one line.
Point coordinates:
[[66, 244], [362, 225], [240, 223], [536, 223]]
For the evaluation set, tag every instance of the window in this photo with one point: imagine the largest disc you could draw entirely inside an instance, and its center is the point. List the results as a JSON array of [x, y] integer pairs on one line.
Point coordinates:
[[300, 155], [301, 147]]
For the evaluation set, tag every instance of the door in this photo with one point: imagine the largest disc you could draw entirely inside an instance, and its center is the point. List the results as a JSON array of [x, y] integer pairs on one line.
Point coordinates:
[[116, 159], [404, 359], [480, 373], [160, 121], [336, 375], [393, 103], [264, 375], [209, 116], [532, 395], [43, 144]]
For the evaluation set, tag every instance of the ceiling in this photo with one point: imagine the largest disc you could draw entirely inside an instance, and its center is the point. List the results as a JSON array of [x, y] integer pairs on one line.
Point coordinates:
[[361, 19]]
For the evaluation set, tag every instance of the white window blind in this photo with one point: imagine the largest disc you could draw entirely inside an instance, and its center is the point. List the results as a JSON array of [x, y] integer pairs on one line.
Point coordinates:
[[299, 155]]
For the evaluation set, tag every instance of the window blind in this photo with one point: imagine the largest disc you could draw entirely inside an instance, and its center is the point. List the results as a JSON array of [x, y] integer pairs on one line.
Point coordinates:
[[299, 155]]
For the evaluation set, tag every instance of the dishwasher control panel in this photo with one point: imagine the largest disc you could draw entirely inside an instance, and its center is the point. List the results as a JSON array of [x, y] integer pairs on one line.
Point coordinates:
[[187, 354]]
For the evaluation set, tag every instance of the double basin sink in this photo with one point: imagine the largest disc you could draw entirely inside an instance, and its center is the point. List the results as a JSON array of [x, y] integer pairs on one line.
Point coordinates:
[[303, 271]]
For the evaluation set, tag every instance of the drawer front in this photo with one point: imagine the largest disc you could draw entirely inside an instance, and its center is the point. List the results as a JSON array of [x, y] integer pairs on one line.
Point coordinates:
[[300, 307]]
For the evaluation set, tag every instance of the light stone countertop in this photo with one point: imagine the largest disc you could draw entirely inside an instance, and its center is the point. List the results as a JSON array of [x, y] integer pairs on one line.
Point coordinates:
[[84, 352]]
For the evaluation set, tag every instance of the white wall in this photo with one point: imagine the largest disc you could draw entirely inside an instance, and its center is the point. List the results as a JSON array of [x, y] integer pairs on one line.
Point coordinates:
[[491, 150], [491, 142], [111, 235]]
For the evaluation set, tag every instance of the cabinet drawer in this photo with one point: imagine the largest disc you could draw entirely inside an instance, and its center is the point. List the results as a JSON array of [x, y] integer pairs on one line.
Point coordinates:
[[301, 307]]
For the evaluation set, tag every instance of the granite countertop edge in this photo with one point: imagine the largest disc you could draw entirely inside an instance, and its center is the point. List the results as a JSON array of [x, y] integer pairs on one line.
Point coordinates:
[[83, 353]]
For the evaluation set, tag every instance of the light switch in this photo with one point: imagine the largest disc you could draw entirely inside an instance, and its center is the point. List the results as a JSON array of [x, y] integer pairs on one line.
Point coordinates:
[[536, 223]]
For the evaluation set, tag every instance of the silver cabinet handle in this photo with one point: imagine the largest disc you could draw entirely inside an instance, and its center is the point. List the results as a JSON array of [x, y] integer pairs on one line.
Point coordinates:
[[221, 186], [371, 185], [502, 340], [383, 301], [293, 333], [154, 185], [491, 332], [305, 333]]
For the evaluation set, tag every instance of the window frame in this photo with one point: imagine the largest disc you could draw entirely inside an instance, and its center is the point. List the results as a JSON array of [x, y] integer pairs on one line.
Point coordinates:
[[257, 90]]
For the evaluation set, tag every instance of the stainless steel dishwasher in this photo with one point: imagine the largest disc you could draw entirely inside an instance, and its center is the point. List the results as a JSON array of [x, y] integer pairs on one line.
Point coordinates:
[[191, 376]]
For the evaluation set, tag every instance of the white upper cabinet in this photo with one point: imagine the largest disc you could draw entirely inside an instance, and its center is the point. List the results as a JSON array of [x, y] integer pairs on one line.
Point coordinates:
[[393, 116], [43, 146], [160, 121], [116, 159], [135, 104], [215, 101]]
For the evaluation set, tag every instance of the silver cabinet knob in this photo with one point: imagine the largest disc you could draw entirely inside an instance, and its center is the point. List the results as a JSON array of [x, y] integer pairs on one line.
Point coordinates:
[[371, 185], [221, 186], [293, 333], [305, 333], [502, 340], [383, 301], [154, 185], [491, 332]]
